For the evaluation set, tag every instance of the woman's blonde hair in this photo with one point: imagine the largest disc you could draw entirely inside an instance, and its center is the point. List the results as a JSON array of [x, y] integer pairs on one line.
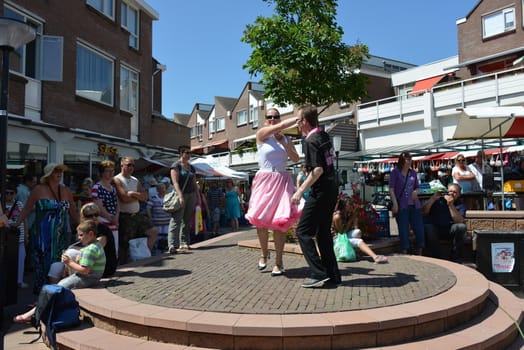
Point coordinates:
[[89, 208]]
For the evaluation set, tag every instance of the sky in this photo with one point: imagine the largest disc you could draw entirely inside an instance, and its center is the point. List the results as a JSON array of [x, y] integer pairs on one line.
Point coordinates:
[[199, 40]]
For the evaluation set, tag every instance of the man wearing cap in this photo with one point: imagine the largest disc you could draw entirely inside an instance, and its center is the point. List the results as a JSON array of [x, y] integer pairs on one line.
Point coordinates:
[[132, 223]]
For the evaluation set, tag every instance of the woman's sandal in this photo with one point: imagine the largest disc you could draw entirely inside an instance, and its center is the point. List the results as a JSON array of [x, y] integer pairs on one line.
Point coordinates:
[[381, 259], [278, 270], [21, 319], [262, 262]]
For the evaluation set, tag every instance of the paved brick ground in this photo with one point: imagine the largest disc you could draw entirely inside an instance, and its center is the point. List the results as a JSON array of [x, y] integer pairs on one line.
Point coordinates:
[[223, 277]]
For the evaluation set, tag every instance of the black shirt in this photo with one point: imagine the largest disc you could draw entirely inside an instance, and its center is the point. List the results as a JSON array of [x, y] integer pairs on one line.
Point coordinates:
[[109, 249], [319, 153]]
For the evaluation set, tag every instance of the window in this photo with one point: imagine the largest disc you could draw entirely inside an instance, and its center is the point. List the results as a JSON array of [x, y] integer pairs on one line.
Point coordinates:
[[130, 23], [241, 117], [211, 128], [220, 124], [498, 22], [25, 60], [94, 75], [200, 128], [104, 6], [253, 115], [128, 90], [192, 133]]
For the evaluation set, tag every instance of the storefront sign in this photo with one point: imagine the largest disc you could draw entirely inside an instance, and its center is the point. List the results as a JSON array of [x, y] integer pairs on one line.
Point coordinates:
[[502, 257], [107, 151]]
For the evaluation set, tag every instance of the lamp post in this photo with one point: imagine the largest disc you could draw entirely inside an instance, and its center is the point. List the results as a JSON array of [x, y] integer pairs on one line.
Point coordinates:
[[13, 34], [337, 144]]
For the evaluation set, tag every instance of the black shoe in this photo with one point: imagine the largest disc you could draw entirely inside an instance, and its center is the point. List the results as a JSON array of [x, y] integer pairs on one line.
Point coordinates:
[[314, 283], [333, 283]]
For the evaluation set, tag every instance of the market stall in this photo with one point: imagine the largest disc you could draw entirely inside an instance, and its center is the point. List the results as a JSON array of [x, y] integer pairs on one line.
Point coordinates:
[[496, 123]]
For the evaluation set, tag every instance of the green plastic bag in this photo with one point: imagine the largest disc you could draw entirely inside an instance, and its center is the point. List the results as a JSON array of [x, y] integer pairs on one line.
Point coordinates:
[[344, 251]]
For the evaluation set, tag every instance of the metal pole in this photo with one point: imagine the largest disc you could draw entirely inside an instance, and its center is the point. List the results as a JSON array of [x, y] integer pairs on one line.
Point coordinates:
[[3, 121], [3, 172]]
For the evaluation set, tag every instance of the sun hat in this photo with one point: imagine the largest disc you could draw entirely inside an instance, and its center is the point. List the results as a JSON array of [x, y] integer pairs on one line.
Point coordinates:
[[48, 170], [165, 180]]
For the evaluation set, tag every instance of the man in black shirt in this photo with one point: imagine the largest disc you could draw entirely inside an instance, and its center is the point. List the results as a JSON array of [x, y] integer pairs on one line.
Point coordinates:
[[445, 216], [318, 210]]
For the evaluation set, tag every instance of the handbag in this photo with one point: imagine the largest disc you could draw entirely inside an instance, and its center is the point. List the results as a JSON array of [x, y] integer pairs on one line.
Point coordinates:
[[172, 201], [344, 251]]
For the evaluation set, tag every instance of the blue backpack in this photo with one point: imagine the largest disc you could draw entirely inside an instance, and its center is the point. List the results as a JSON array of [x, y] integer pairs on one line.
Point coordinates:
[[58, 309]]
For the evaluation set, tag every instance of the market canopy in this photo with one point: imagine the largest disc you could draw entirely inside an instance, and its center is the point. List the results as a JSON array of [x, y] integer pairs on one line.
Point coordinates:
[[208, 167], [490, 122]]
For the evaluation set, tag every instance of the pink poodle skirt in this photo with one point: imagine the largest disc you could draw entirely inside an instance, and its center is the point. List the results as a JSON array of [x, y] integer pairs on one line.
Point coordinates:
[[270, 202]]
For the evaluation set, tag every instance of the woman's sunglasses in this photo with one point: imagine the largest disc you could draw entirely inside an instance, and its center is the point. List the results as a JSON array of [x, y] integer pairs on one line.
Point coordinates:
[[90, 216]]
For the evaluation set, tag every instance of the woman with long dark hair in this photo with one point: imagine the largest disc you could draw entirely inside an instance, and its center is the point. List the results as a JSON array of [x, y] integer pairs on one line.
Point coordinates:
[[403, 189]]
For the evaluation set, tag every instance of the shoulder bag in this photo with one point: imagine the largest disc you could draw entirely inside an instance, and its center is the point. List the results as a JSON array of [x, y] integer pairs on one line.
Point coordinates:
[[172, 201]]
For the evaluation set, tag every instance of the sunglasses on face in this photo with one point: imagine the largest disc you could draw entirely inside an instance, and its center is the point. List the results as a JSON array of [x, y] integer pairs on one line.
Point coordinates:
[[90, 216], [128, 165], [272, 116], [9, 192], [460, 160]]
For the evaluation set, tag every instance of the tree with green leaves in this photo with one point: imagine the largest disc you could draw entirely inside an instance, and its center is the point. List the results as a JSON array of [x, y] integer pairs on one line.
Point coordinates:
[[301, 57]]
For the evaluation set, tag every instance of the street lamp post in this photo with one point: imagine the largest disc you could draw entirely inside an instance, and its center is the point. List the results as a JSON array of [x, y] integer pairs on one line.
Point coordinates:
[[13, 34], [337, 144]]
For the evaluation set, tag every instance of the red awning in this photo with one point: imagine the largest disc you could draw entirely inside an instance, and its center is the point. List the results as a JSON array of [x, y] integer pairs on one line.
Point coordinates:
[[424, 85]]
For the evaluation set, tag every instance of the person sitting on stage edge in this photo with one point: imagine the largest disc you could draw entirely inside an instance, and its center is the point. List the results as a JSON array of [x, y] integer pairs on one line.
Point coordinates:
[[445, 219], [87, 269], [345, 221]]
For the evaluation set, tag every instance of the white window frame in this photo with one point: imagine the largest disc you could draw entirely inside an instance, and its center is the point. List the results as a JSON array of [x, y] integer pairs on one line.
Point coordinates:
[[129, 89], [211, 128], [110, 60], [22, 51], [126, 18], [192, 132], [242, 117], [220, 123], [253, 115], [200, 129], [106, 7], [498, 22]]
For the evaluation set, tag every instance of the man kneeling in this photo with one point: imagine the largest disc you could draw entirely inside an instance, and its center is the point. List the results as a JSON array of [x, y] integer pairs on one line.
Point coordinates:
[[445, 220]]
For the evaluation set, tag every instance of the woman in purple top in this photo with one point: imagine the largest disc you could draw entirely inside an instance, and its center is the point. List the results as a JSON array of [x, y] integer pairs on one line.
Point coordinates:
[[403, 189]]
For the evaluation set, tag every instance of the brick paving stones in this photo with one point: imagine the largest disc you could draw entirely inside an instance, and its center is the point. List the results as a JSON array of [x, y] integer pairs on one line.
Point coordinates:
[[220, 276]]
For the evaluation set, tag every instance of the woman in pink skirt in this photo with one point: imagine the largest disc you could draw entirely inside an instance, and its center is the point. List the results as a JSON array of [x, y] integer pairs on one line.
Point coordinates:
[[270, 205]]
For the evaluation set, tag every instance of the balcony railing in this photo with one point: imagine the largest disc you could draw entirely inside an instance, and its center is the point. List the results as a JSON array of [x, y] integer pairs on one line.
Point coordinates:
[[496, 89], [247, 158]]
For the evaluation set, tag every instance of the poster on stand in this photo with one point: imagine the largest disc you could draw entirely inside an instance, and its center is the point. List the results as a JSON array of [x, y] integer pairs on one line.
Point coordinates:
[[502, 257]]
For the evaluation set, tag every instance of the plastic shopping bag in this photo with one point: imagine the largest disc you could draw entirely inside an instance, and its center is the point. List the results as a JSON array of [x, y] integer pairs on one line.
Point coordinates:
[[344, 251]]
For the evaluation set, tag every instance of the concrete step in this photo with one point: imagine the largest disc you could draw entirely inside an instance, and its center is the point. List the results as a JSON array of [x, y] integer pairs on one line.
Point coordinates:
[[494, 328], [467, 304], [93, 338]]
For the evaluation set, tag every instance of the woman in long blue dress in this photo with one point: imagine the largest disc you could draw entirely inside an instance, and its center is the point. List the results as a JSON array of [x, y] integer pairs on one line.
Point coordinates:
[[55, 210], [232, 205]]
